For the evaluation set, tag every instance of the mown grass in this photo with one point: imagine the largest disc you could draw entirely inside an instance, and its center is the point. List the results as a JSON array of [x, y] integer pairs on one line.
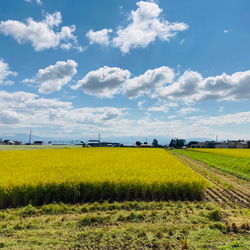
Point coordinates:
[[125, 225], [238, 166]]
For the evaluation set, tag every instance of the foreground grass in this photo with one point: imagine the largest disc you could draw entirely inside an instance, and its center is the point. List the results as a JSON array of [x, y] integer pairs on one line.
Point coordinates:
[[127, 225], [238, 166]]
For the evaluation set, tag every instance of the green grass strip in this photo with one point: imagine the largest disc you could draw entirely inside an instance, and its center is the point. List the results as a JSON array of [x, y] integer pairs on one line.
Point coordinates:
[[237, 166]]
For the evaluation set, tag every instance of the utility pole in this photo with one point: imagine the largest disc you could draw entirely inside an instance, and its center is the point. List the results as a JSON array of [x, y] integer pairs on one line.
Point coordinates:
[[30, 138]]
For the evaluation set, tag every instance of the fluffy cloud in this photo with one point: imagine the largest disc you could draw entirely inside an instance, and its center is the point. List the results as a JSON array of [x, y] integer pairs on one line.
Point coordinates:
[[151, 79], [189, 87], [145, 26], [110, 114], [52, 78], [229, 119], [100, 36], [104, 82], [28, 102], [5, 72], [192, 87], [226, 87], [41, 34], [22, 110], [9, 117], [186, 86], [22, 107]]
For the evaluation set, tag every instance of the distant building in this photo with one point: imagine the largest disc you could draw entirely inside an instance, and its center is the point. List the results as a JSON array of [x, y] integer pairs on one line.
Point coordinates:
[[242, 145], [37, 143], [206, 144], [228, 144], [94, 143], [8, 142], [145, 145], [225, 144], [97, 143], [18, 143], [110, 144], [129, 145]]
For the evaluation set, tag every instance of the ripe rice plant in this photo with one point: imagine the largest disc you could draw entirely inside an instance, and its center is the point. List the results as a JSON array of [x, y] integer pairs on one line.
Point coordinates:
[[94, 174], [220, 159]]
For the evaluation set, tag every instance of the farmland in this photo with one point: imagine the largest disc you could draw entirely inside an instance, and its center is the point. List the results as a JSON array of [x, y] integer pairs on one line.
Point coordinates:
[[94, 174], [242, 153], [233, 161], [44, 177]]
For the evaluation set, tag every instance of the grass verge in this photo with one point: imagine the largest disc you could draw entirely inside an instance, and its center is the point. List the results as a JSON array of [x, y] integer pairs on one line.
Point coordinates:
[[125, 225]]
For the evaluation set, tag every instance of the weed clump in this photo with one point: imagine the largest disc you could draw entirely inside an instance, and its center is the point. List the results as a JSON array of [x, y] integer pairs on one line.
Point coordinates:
[[215, 215]]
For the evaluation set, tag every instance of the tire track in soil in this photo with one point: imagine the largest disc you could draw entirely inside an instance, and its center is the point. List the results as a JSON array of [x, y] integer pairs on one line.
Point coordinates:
[[235, 194]]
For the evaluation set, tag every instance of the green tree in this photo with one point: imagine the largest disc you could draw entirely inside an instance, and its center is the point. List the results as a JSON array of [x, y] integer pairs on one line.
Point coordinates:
[[138, 143], [191, 142], [172, 143], [177, 143], [155, 143]]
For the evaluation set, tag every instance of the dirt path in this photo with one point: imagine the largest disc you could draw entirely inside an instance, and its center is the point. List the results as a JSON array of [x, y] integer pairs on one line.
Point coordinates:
[[227, 190]]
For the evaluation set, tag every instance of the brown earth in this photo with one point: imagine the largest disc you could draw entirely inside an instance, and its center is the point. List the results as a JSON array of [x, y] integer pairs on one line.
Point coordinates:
[[226, 190]]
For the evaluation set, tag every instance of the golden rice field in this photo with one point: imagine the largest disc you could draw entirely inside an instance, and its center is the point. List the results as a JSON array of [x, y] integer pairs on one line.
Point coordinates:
[[235, 152], [94, 174]]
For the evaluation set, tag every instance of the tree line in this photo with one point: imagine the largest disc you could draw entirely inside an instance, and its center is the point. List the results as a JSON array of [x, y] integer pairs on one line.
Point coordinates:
[[174, 143]]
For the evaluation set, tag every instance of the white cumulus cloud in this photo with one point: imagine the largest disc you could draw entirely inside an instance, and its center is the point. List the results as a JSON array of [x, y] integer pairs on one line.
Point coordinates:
[[191, 86], [151, 79], [186, 86], [104, 82], [146, 24], [54, 77], [41, 34], [101, 36], [5, 72]]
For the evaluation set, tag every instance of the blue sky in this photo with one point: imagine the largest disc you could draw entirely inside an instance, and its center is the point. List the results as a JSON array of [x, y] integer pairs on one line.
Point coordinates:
[[142, 69]]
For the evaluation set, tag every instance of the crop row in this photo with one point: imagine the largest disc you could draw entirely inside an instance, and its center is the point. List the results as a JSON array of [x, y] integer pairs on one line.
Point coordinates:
[[94, 174], [238, 166], [244, 153]]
